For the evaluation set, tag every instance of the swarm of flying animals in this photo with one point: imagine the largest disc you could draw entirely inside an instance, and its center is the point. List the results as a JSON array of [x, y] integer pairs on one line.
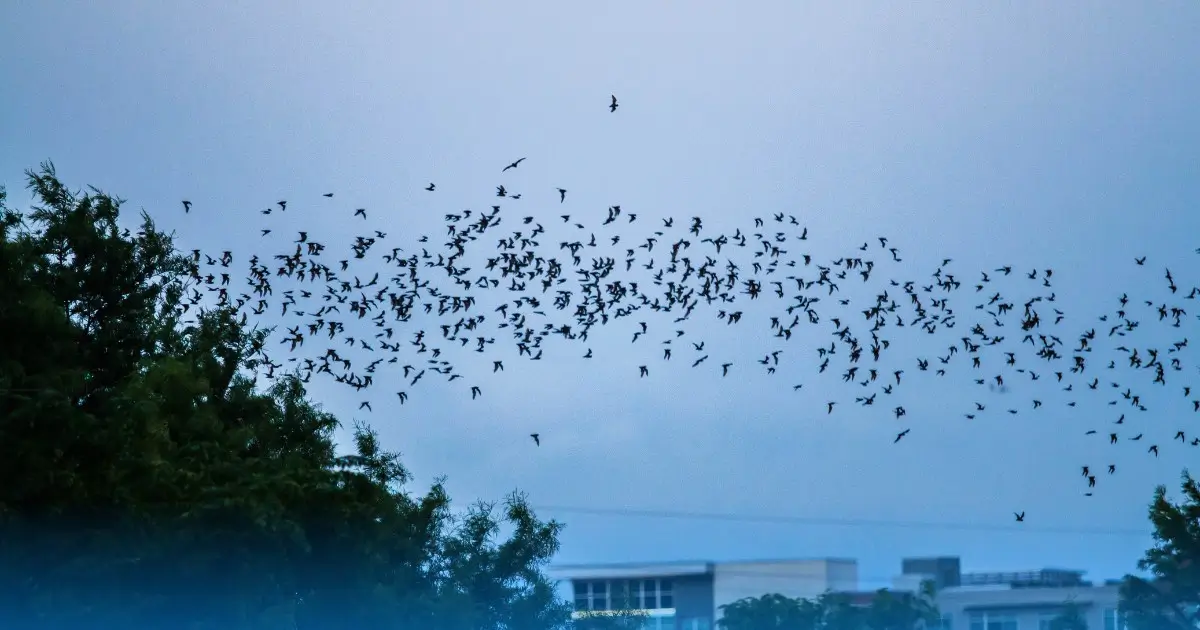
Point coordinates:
[[409, 310]]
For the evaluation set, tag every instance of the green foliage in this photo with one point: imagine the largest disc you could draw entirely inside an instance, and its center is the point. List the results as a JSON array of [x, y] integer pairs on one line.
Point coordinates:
[[148, 483], [614, 620], [1170, 599], [887, 610], [902, 611], [773, 611], [1071, 618]]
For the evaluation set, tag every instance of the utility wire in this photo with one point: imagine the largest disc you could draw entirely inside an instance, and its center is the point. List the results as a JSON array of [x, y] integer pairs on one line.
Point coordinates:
[[1015, 528]]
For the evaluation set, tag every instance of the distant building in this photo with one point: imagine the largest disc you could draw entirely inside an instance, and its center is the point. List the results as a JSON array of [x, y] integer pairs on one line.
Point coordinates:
[[1027, 600], [689, 595]]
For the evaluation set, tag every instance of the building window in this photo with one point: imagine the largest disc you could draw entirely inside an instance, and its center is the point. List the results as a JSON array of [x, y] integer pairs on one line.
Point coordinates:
[[1113, 619], [993, 621], [581, 596], [600, 595], [624, 595], [946, 622], [695, 623], [591, 595], [651, 594], [1046, 621], [648, 595]]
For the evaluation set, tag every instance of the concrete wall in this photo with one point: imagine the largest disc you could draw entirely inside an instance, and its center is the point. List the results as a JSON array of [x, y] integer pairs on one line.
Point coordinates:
[[800, 578], [842, 575], [1027, 604]]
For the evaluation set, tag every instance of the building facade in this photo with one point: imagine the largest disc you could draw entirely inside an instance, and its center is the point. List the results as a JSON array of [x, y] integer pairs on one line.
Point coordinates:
[[1027, 601], [689, 595]]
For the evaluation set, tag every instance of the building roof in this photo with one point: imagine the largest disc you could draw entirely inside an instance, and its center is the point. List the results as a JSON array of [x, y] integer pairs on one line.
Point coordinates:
[[628, 570], [1042, 578], [664, 569]]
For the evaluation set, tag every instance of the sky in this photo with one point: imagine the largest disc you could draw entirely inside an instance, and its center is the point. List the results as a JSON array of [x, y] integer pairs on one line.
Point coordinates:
[[1038, 135]]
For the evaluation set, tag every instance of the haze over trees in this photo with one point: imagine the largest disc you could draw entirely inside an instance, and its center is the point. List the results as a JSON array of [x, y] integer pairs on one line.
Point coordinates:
[[833, 611], [150, 482]]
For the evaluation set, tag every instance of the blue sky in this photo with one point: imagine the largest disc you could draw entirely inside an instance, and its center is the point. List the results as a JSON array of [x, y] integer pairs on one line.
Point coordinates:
[[1041, 135]]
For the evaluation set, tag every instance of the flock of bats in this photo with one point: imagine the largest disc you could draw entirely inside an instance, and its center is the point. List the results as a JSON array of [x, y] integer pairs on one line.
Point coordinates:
[[390, 316]]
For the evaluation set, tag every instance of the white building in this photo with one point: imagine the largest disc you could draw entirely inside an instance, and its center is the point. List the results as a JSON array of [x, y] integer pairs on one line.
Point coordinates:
[[689, 595]]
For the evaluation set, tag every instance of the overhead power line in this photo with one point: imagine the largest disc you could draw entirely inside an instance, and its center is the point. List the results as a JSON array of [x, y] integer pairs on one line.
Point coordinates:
[[1015, 528], [861, 582]]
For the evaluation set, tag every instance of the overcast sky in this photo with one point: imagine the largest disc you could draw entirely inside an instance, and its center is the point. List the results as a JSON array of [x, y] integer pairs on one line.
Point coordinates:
[[1041, 135]]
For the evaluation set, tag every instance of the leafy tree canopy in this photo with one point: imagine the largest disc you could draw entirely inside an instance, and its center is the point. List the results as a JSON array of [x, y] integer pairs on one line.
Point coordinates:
[[1170, 599], [1071, 618], [148, 482], [886, 610]]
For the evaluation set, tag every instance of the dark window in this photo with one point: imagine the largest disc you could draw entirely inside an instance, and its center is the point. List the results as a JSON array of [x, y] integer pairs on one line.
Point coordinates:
[[600, 595], [581, 595], [666, 597], [649, 595], [624, 594]]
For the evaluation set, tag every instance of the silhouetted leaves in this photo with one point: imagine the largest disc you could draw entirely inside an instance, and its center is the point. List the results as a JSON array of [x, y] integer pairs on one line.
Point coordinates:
[[1170, 599], [148, 483], [1071, 618], [886, 610]]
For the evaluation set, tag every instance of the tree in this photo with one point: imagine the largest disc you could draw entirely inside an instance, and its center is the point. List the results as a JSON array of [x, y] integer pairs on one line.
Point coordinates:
[[614, 620], [887, 610], [149, 482], [1070, 618], [1170, 599], [773, 611], [890, 610]]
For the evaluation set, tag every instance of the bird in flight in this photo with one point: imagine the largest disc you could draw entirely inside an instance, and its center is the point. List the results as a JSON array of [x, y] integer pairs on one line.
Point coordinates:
[[537, 440], [187, 206], [327, 195], [600, 299], [613, 106]]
